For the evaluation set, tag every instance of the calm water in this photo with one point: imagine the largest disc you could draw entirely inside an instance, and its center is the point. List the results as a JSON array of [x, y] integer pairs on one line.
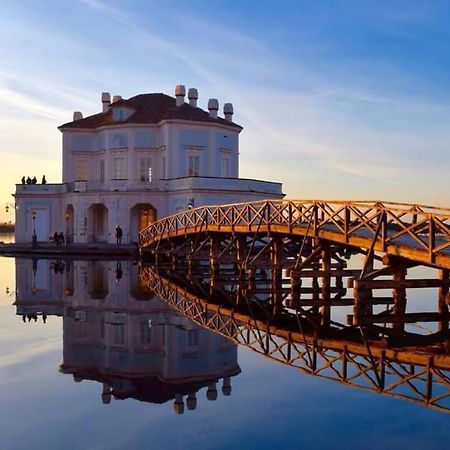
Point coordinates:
[[111, 363]]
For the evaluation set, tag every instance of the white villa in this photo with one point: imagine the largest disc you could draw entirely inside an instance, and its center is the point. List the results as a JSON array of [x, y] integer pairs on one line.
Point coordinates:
[[136, 161]]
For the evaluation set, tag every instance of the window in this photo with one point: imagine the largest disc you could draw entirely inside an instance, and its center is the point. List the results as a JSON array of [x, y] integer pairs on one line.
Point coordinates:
[[145, 170], [119, 168], [119, 140], [164, 167], [119, 333], [81, 170], [225, 167], [145, 331], [194, 165], [193, 338], [118, 115], [102, 171]]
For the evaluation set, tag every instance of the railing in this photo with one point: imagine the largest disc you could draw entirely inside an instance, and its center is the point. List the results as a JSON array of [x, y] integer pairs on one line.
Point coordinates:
[[417, 232], [223, 183], [49, 188], [110, 185]]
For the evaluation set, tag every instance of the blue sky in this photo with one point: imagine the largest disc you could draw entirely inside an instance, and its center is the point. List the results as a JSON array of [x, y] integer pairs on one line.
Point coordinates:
[[338, 99]]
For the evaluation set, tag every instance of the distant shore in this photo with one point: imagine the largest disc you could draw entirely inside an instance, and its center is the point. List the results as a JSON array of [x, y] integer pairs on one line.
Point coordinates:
[[7, 228]]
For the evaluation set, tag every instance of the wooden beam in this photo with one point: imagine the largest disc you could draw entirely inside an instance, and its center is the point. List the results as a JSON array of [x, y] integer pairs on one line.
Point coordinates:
[[406, 318], [344, 301], [391, 284]]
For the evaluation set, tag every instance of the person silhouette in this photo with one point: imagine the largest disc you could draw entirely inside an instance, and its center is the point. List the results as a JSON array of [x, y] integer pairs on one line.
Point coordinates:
[[23, 180], [119, 234], [119, 271], [44, 181]]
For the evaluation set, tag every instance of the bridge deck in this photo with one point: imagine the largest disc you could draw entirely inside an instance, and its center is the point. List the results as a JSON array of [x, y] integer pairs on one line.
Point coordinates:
[[417, 233]]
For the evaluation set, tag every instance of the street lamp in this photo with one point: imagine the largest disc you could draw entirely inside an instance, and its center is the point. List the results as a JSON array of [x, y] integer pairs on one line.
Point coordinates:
[[191, 203], [67, 227], [33, 216], [34, 238]]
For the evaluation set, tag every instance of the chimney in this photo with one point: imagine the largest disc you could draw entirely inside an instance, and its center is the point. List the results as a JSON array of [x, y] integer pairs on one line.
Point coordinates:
[[106, 100], [193, 97], [180, 92], [116, 98], [191, 401], [178, 404], [77, 115], [213, 107], [211, 393], [228, 112]]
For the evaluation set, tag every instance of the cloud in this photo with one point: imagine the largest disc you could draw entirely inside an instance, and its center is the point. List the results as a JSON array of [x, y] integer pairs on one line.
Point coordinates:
[[32, 350], [319, 130]]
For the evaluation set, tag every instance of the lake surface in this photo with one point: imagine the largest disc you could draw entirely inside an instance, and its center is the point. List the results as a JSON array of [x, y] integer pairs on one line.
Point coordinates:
[[90, 359]]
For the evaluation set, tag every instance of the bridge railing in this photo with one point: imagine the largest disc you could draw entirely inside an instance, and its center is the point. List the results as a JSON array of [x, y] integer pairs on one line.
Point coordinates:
[[419, 227]]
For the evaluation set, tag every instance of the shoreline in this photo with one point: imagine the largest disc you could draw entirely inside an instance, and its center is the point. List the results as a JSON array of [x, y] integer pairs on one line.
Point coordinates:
[[13, 249]]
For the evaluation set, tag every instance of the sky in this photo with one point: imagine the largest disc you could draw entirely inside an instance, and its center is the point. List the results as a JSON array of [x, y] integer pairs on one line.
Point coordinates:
[[338, 99]]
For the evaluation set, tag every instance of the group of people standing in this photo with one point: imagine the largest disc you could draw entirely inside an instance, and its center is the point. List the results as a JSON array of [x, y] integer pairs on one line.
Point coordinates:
[[34, 317], [59, 238], [33, 180]]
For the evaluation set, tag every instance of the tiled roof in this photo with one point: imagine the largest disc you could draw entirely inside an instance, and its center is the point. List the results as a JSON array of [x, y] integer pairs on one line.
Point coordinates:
[[149, 108]]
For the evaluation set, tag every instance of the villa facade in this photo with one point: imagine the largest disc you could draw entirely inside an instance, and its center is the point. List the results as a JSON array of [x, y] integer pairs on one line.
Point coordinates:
[[138, 160]]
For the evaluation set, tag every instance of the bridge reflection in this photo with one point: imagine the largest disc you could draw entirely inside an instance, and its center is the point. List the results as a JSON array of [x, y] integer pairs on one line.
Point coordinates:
[[120, 334], [300, 332]]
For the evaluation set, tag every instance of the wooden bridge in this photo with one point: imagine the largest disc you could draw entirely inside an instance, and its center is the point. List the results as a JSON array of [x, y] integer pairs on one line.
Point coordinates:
[[417, 233], [409, 366], [290, 259]]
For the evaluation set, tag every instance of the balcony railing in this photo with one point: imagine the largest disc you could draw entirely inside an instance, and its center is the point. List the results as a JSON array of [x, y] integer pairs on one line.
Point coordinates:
[[49, 188], [110, 186], [217, 183]]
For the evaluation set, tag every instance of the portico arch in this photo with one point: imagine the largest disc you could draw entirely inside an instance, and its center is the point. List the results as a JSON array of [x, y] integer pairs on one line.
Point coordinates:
[[97, 223], [141, 215]]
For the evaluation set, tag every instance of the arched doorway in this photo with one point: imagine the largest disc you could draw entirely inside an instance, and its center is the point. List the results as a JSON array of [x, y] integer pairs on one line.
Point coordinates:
[[97, 280], [97, 223], [142, 215], [69, 217]]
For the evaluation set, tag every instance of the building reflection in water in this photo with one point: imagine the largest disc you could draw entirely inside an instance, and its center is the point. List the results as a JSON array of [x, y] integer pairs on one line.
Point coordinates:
[[118, 333]]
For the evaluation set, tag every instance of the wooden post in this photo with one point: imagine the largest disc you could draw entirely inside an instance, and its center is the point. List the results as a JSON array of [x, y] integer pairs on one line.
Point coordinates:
[[240, 256], [173, 258], [240, 293], [399, 294], [362, 298], [326, 285], [443, 307], [339, 283], [214, 265], [251, 273], [190, 260], [296, 284], [276, 279]]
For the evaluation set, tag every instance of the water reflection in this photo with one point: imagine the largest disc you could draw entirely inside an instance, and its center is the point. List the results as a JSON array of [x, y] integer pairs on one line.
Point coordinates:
[[118, 333], [154, 335], [406, 365]]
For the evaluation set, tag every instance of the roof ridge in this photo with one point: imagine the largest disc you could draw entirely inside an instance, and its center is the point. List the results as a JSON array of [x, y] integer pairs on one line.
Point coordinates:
[[150, 108]]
